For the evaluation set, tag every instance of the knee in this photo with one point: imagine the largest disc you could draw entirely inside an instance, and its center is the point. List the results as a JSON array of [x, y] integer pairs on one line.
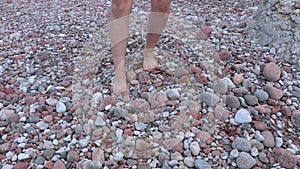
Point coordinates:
[[121, 7], [161, 6]]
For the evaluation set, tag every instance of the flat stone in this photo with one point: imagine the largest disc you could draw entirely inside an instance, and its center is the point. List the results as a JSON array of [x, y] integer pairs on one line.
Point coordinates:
[[42, 125], [245, 161], [201, 164], [242, 144], [243, 116]]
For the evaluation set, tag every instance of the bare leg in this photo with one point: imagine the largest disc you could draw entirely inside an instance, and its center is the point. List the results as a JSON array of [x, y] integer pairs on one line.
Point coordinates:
[[157, 21], [119, 39]]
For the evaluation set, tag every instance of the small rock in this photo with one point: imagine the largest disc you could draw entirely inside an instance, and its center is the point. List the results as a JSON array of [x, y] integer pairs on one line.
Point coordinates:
[[245, 161], [48, 153], [221, 113], [59, 165], [72, 156], [260, 126], [42, 125], [221, 87], [173, 144], [223, 55], [274, 93], [60, 107], [263, 158], [201, 164], [173, 94], [189, 161], [261, 95], [242, 144], [243, 116], [278, 142], [98, 155], [51, 101], [176, 156], [140, 105], [210, 99], [296, 119], [251, 100], [285, 157], [48, 164], [23, 156], [237, 79], [268, 139], [143, 77], [100, 122], [232, 101], [272, 72], [21, 165], [254, 151], [234, 153], [180, 72], [141, 145], [195, 148], [140, 126], [118, 156], [286, 111]]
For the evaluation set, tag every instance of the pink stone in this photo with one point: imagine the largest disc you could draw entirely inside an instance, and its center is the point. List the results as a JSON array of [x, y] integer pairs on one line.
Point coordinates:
[[272, 72]]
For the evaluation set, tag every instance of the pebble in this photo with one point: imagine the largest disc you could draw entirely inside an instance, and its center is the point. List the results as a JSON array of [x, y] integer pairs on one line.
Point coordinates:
[[278, 142], [195, 148], [60, 107], [201, 164], [243, 116], [140, 126], [59, 165], [210, 99], [286, 158], [21, 165], [242, 144], [295, 118], [221, 86], [51, 101], [7, 166], [259, 136], [272, 72], [100, 122], [232, 101], [23, 156], [254, 151], [42, 125], [189, 161], [245, 161], [237, 79], [98, 155], [251, 100], [273, 92], [268, 139], [234, 153], [118, 156], [173, 94], [72, 156], [261, 95], [176, 156], [263, 157]]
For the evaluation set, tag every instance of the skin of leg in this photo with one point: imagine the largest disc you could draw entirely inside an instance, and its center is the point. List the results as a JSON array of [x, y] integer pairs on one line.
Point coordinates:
[[157, 6], [120, 8]]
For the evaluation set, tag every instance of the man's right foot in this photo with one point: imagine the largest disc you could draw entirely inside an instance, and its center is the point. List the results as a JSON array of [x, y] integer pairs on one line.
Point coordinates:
[[120, 82]]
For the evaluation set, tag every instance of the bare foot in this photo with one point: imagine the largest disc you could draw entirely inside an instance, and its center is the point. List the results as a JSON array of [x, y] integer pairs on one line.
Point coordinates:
[[149, 61], [120, 83]]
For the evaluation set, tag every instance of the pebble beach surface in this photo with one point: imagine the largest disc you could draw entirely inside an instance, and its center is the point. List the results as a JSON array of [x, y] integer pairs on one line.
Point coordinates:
[[219, 99]]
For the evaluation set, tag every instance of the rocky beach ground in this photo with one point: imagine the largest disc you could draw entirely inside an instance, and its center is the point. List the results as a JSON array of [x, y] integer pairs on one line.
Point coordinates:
[[219, 99]]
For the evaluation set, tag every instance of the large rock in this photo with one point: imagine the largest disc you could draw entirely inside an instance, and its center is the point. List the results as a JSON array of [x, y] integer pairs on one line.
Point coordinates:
[[277, 25], [272, 72]]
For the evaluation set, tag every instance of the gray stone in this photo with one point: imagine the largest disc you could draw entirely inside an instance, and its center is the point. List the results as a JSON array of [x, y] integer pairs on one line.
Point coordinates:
[[48, 153], [242, 144], [173, 94], [7, 166], [42, 125], [23, 156], [140, 126], [221, 87], [245, 161], [210, 99], [296, 119], [189, 161], [100, 122], [251, 100], [51, 101], [243, 116], [261, 95], [60, 107], [195, 148], [40, 160], [201, 164], [263, 158], [118, 156]]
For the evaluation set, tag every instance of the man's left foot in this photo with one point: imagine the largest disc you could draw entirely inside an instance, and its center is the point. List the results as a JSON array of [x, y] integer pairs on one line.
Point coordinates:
[[149, 62]]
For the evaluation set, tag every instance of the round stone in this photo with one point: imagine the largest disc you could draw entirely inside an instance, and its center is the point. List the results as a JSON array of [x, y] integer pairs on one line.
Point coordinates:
[[261, 95], [245, 161], [241, 144], [243, 116]]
